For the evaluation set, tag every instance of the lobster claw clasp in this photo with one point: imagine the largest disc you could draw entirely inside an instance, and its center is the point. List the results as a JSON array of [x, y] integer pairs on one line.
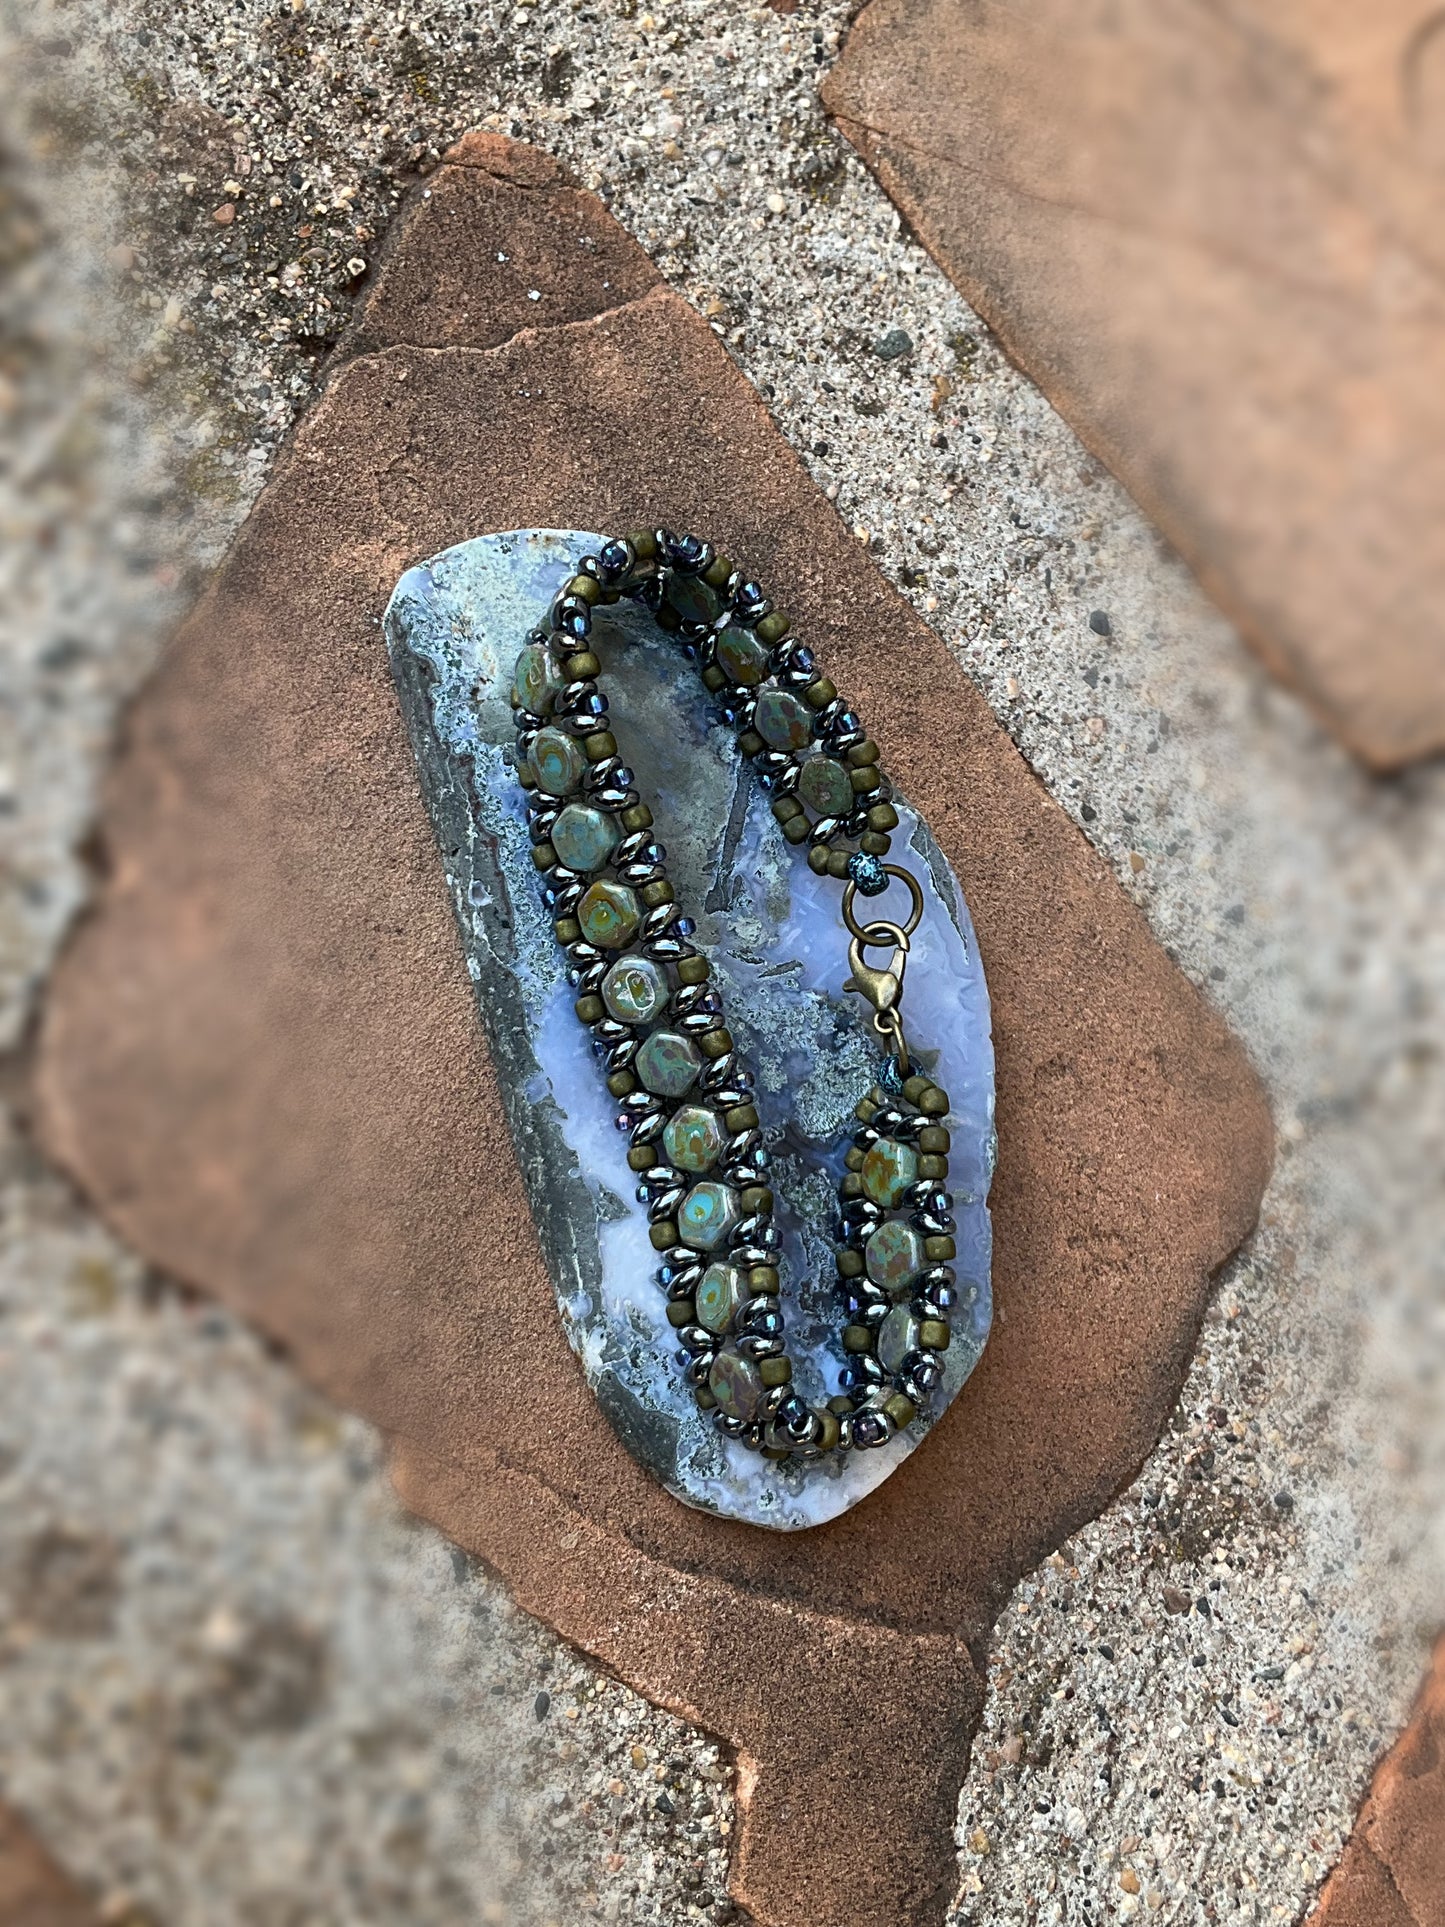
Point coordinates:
[[882, 986]]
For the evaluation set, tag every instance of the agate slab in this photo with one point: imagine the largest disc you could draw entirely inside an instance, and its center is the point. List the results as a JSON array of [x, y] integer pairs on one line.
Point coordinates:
[[454, 627]]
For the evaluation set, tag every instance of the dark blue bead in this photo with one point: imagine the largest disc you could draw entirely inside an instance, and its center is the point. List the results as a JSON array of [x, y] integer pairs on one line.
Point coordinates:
[[614, 559], [687, 552], [869, 1429], [750, 602], [868, 873]]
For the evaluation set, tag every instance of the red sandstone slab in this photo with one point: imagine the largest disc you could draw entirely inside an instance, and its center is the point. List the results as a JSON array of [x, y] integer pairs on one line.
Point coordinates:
[[34, 1892], [261, 1059], [1215, 237]]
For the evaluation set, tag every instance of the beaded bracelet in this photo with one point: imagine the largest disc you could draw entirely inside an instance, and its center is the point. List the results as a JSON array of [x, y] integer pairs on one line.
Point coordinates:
[[685, 1098]]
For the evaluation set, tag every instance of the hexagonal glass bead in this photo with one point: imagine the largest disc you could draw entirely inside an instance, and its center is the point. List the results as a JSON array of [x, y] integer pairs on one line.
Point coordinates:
[[538, 680], [897, 1337], [718, 1296], [783, 719], [634, 990], [889, 1168], [824, 786], [557, 761], [741, 657], [668, 1063], [708, 1214], [609, 915], [693, 1139], [893, 1256], [693, 600], [584, 838], [737, 1385]]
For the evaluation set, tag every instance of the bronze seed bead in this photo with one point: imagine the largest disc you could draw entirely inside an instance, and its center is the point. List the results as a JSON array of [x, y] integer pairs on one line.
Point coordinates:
[[637, 816], [854, 1159], [840, 1406], [693, 970], [713, 678], [586, 588], [857, 1338], [658, 891], [543, 855], [590, 1010], [786, 808], [900, 1409], [818, 859], [882, 816], [850, 1264], [756, 1197], [775, 1452], [773, 628], [866, 1108], [934, 1334], [667, 619], [819, 694], [681, 1311], [750, 743], [864, 780], [621, 1084], [716, 1043], [863, 754], [776, 1371], [641, 1157], [644, 544], [764, 1279], [663, 1236], [568, 930], [938, 1251], [828, 1437], [718, 572], [797, 829], [838, 864], [851, 1187], [875, 843], [934, 1103], [599, 746], [935, 1139], [914, 1087], [742, 1117], [705, 1400], [584, 665], [526, 776], [932, 1168]]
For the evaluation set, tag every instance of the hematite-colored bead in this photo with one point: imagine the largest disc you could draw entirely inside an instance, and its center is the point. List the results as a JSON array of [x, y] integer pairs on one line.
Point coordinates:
[[693, 1139], [635, 990], [889, 1168], [668, 1063], [708, 1214], [782, 720], [557, 761], [608, 915], [894, 1256], [584, 838], [538, 679], [897, 1337], [824, 786], [736, 1384], [718, 1296], [741, 657]]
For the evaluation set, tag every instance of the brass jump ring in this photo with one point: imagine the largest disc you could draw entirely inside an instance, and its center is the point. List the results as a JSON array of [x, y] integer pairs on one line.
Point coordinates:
[[915, 914]]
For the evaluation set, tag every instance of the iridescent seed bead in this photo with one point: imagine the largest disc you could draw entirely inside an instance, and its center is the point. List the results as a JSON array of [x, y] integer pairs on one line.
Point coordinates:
[[537, 680], [894, 1256], [741, 657], [608, 915], [782, 720], [634, 990], [824, 786], [889, 1168], [668, 1063], [693, 600], [708, 1215], [718, 1295], [584, 838], [693, 1139], [557, 761], [736, 1384], [897, 1337]]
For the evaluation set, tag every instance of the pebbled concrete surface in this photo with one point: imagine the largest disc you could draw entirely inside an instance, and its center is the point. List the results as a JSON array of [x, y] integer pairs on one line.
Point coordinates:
[[1298, 1492]]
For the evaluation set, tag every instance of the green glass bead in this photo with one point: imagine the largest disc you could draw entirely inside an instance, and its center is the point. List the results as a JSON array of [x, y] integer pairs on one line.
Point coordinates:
[[634, 990], [897, 1337], [693, 1139], [782, 720], [718, 1296], [584, 838], [824, 786], [668, 1063], [737, 1385], [609, 914], [741, 657], [693, 600], [889, 1168], [557, 761], [708, 1215], [894, 1256], [538, 679]]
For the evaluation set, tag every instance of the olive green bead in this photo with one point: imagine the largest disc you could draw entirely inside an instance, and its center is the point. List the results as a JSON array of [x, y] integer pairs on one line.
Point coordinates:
[[585, 587], [932, 1168], [658, 891], [914, 1087], [641, 1157], [713, 678], [764, 1280], [840, 1405], [863, 753], [857, 1338], [934, 1103], [643, 543], [864, 781], [797, 830], [757, 1197], [663, 1235], [900, 1409], [600, 745], [874, 843], [750, 743], [621, 1084], [819, 694], [705, 1400], [717, 572], [567, 930], [637, 816], [590, 1010], [776, 1371], [693, 970], [681, 1312], [715, 1043], [866, 1109], [818, 858], [936, 1139], [838, 864], [583, 666], [934, 1334], [938, 1251], [544, 856], [773, 627], [850, 1264], [786, 808], [851, 1187], [742, 1117], [882, 816], [830, 1433]]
